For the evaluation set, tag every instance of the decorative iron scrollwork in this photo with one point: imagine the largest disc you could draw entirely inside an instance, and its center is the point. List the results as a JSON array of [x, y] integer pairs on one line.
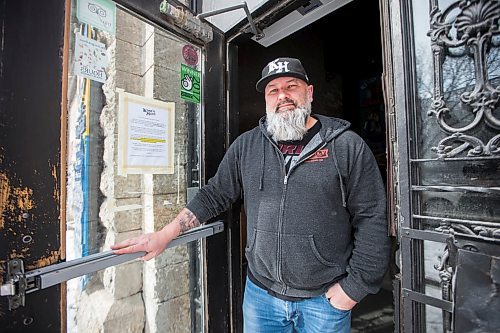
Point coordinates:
[[445, 275], [457, 143], [493, 146], [473, 230], [466, 28], [487, 232]]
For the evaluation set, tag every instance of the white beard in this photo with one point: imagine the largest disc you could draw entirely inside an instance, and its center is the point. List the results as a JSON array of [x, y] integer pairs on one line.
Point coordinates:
[[288, 125]]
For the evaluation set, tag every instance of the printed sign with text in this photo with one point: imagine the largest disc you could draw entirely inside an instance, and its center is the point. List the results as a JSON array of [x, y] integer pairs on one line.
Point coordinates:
[[90, 58], [190, 84]]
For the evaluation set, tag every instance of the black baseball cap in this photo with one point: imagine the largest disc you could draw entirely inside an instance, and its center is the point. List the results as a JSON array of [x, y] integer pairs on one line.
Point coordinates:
[[281, 67]]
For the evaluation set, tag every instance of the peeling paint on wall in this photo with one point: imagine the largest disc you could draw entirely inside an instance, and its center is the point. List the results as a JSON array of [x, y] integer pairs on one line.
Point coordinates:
[[4, 197]]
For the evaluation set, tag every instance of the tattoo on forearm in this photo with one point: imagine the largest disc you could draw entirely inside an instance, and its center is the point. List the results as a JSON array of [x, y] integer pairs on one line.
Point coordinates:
[[187, 221]]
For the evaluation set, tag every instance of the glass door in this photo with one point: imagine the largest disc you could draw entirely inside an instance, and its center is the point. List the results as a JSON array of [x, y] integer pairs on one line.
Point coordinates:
[[132, 138], [134, 155], [444, 74]]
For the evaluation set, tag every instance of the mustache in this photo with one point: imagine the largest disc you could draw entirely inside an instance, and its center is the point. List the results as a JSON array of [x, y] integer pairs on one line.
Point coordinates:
[[285, 101]]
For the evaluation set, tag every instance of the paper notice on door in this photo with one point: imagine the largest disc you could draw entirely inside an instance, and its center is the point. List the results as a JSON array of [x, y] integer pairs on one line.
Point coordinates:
[[90, 58], [145, 135]]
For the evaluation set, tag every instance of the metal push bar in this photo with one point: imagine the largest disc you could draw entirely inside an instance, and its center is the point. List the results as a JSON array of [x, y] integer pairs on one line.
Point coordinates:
[[20, 283]]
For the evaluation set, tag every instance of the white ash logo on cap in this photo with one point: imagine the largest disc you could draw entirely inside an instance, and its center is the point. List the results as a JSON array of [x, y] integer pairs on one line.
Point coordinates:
[[281, 67], [278, 66]]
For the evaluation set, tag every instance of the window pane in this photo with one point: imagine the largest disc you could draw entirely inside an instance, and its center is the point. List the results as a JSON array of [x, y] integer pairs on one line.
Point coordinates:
[[433, 319], [133, 160], [465, 206], [483, 173]]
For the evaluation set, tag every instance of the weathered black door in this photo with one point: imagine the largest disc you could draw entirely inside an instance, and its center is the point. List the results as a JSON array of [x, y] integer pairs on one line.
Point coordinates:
[[31, 90], [442, 78]]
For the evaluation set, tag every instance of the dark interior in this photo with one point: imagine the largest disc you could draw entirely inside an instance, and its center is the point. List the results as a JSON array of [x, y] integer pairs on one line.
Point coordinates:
[[342, 54]]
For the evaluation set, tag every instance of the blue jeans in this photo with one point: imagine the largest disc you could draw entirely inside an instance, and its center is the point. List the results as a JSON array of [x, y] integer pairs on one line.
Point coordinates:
[[263, 313]]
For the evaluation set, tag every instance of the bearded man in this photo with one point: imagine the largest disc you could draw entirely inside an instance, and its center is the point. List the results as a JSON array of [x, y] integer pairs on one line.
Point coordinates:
[[316, 212]]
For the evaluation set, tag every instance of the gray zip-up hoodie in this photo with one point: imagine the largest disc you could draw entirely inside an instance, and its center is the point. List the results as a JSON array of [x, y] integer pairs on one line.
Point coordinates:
[[323, 221]]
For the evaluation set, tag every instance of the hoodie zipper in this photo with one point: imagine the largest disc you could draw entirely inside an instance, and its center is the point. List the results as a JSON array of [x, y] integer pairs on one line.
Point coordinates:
[[279, 276], [280, 226], [280, 216], [282, 210]]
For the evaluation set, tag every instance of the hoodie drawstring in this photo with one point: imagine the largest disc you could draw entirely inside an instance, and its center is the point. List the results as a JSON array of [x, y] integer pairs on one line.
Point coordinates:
[[341, 180], [261, 181]]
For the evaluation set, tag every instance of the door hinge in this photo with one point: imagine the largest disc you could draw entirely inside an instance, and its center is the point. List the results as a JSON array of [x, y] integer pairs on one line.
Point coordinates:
[[17, 284], [392, 126]]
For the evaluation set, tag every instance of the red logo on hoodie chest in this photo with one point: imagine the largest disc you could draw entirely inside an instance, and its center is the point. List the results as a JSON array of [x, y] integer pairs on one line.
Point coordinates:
[[318, 156]]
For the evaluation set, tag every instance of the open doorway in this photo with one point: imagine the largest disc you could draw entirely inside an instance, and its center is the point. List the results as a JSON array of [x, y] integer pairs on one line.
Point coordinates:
[[345, 68]]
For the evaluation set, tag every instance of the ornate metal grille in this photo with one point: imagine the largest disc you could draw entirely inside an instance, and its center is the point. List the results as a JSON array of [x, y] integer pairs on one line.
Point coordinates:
[[453, 176], [472, 33]]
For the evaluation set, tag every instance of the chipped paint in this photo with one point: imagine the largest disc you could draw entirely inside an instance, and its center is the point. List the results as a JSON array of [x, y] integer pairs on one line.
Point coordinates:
[[15, 255], [13, 199], [4, 197], [54, 174], [54, 257], [23, 196]]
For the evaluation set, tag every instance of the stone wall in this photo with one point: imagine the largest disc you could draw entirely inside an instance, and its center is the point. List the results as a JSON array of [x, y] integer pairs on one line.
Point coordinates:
[[166, 278]]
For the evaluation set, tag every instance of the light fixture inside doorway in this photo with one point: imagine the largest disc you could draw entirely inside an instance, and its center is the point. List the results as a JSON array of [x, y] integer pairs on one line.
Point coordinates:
[[258, 34], [310, 12], [184, 19]]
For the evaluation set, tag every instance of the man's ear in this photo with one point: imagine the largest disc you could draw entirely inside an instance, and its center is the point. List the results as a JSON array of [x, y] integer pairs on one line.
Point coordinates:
[[310, 90]]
